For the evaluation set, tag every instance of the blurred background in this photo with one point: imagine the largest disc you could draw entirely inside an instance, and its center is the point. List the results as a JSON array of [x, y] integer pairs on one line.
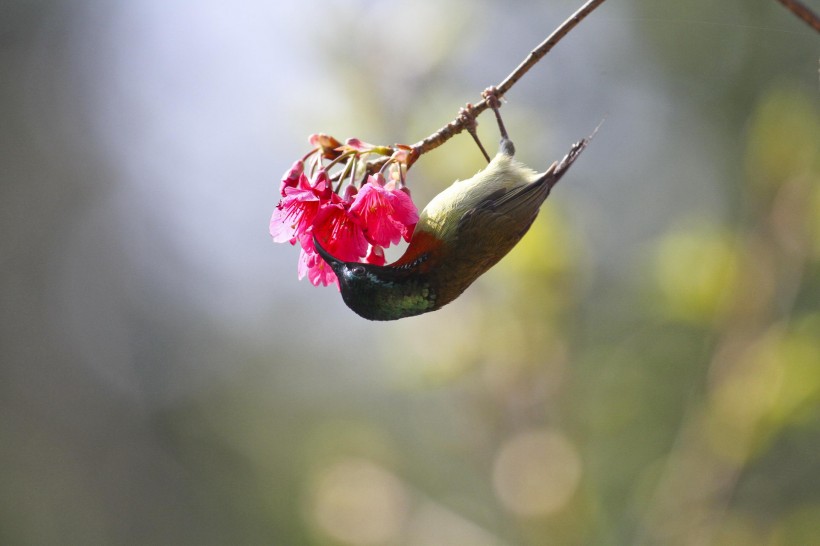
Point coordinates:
[[644, 368]]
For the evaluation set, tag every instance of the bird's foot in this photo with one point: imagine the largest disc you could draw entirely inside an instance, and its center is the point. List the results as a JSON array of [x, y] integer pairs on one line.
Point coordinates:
[[467, 117], [493, 99]]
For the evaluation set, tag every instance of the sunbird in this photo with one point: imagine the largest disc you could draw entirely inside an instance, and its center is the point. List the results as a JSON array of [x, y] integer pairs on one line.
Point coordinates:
[[464, 231]]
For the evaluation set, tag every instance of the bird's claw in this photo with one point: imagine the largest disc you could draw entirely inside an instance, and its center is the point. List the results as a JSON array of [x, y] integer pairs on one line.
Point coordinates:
[[467, 117], [493, 100]]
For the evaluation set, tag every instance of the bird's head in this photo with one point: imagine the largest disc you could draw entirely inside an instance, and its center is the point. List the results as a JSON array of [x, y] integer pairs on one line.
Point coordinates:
[[379, 292]]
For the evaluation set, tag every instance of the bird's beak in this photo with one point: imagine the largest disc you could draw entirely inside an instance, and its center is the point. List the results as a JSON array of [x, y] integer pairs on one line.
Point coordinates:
[[331, 261]]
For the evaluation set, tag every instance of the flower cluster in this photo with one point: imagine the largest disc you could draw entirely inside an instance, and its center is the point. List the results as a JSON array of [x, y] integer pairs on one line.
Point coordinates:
[[354, 225]]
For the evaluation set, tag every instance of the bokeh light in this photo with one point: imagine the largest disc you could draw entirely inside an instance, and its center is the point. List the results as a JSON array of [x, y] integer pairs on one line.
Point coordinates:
[[357, 502], [536, 472]]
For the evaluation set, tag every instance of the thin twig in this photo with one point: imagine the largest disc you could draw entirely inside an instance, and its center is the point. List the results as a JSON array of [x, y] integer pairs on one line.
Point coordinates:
[[803, 12], [456, 126], [461, 122]]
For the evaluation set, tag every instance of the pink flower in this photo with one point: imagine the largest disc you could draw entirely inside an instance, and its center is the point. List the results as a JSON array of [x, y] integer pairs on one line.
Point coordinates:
[[385, 213], [354, 227], [337, 232], [294, 215]]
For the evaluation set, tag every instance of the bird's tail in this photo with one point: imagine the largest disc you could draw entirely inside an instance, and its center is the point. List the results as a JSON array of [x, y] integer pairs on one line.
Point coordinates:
[[559, 168]]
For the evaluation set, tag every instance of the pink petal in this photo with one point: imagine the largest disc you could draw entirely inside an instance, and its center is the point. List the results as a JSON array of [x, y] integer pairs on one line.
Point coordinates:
[[375, 255], [304, 183], [322, 186], [339, 233], [384, 231], [358, 145], [376, 179], [293, 215], [350, 193], [282, 228], [318, 271], [385, 215], [404, 210], [291, 178], [303, 267]]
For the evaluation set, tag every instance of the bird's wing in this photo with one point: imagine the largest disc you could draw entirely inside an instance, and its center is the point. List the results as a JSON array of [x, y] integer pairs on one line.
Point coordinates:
[[505, 209], [515, 209]]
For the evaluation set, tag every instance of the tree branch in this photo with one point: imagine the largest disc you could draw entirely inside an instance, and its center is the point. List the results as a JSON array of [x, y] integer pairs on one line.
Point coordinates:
[[457, 125], [803, 12]]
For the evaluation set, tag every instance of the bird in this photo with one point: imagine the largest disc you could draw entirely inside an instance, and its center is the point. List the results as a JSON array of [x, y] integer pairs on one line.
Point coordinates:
[[464, 231]]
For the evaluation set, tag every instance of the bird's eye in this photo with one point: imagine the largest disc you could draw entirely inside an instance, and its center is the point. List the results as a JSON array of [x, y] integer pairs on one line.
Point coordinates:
[[357, 270]]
